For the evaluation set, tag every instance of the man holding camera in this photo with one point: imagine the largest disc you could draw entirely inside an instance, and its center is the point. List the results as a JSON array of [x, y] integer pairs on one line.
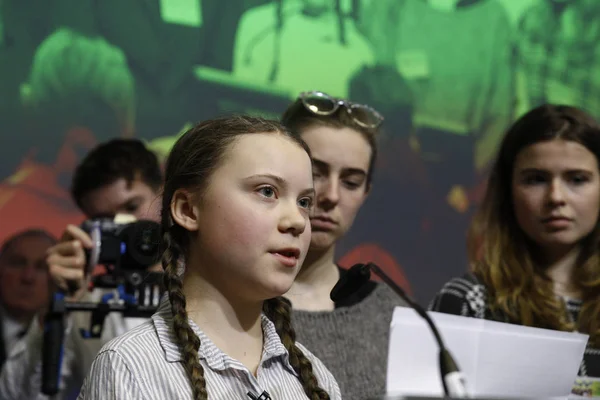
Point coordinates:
[[118, 177]]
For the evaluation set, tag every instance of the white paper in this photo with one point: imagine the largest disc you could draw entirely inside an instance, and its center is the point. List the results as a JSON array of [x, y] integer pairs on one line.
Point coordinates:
[[497, 359]]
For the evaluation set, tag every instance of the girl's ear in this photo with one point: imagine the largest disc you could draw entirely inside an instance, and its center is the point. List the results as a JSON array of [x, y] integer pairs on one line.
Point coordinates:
[[184, 211]]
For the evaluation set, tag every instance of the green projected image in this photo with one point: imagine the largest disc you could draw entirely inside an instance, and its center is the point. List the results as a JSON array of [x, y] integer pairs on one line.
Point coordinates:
[[449, 76]]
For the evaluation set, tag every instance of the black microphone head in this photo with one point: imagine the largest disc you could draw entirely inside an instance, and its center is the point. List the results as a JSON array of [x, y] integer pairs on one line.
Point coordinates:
[[351, 282]]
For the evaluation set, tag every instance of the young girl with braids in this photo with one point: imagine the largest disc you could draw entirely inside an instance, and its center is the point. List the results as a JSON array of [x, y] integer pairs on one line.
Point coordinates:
[[533, 246], [235, 214]]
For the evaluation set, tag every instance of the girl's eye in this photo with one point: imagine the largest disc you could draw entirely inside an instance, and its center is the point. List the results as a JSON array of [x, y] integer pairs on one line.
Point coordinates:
[[534, 179], [305, 202], [267, 191]]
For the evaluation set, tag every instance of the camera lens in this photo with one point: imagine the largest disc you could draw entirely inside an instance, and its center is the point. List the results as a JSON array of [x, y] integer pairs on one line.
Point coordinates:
[[144, 242]]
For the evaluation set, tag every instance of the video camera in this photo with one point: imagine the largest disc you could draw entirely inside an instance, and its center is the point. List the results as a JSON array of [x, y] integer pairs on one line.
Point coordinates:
[[127, 248]]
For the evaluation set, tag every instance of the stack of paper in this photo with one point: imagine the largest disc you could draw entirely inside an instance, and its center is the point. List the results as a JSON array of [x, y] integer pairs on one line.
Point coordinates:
[[497, 359]]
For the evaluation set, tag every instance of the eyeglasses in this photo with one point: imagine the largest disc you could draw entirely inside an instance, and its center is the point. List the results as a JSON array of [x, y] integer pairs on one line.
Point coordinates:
[[320, 103]]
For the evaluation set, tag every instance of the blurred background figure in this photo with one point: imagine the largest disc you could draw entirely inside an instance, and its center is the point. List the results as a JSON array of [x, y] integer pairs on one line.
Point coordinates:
[[301, 45], [24, 284], [79, 92], [24, 24], [557, 55], [77, 82], [163, 42], [454, 57]]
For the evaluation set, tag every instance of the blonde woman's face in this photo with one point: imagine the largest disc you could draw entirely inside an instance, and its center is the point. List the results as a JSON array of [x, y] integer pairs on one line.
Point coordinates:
[[556, 193]]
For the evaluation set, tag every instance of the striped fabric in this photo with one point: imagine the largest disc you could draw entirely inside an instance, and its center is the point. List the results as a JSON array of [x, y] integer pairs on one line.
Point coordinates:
[[146, 363]]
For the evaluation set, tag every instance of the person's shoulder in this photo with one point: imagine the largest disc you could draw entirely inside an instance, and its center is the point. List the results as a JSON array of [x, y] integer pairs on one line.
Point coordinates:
[[463, 284], [383, 294], [376, 296], [325, 378], [464, 295], [534, 16], [251, 31], [318, 367], [263, 13], [138, 340], [126, 366]]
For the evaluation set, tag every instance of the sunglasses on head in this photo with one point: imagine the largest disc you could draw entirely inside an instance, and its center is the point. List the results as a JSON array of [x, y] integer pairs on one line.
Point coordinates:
[[320, 103]]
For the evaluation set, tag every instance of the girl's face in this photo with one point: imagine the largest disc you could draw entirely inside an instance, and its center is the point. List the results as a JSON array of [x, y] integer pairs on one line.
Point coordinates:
[[556, 193], [253, 219], [341, 159]]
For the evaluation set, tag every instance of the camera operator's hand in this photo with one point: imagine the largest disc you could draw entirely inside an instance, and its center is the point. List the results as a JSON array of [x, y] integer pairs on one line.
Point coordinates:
[[66, 261]]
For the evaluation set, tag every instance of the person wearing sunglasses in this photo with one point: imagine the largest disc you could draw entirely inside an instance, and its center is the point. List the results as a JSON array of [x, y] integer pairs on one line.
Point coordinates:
[[350, 337]]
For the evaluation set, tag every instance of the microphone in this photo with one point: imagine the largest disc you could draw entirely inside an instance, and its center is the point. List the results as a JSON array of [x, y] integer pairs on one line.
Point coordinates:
[[263, 396], [453, 380]]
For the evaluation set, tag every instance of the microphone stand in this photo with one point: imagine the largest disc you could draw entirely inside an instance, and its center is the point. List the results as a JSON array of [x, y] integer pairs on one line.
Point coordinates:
[[453, 380]]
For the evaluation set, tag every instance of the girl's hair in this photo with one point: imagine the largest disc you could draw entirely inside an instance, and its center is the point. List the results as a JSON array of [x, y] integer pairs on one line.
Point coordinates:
[[191, 163], [297, 118], [501, 253]]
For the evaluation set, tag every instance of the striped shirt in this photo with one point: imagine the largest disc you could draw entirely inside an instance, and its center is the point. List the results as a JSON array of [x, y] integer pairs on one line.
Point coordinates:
[[146, 363]]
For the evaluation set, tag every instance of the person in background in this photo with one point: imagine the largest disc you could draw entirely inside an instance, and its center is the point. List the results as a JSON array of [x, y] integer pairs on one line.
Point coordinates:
[[555, 56], [235, 219], [533, 246], [401, 172], [79, 92], [350, 337], [291, 45], [77, 81], [462, 92], [24, 24], [117, 177], [24, 284], [163, 42]]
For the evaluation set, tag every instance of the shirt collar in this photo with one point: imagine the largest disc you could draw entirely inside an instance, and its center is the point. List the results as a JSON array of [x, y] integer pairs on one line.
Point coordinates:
[[11, 328], [214, 357]]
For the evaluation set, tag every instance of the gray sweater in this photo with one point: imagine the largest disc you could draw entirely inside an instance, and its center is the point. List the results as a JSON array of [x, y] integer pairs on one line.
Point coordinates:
[[352, 341]]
